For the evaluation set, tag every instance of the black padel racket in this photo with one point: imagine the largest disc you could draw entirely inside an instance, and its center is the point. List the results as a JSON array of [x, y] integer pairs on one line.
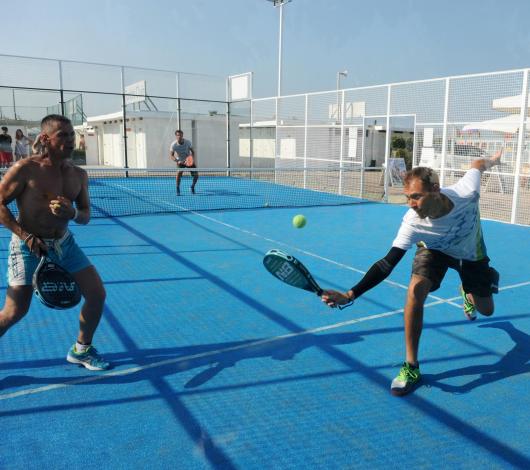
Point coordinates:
[[54, 286], [291, 271]]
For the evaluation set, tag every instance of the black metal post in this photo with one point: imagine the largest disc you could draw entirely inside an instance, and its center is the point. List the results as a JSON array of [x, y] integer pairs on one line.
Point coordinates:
[[124, 114]]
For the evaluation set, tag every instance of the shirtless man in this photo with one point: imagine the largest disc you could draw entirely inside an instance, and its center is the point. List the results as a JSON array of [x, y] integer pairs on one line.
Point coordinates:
[[49, 191]]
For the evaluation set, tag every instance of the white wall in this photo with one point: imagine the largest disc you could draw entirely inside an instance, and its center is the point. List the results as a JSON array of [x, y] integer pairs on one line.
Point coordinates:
[[159, 133], [210, 142], [91, 148], [149, 137]]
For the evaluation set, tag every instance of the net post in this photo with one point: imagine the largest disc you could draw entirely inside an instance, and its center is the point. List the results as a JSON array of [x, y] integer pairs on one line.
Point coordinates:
[[520, 144], [387, 141], [124, 116], [61, 91], [444, 132], [228, 101], [341, 157], [179, 125], [306, 110]]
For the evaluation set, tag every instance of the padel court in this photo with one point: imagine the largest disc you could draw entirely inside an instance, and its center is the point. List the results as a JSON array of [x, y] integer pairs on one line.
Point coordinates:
[[217, 364]]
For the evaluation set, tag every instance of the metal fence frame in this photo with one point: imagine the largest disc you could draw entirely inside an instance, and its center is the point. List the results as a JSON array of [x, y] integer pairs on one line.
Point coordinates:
[[319, 128], [446, 123], [56, 71]]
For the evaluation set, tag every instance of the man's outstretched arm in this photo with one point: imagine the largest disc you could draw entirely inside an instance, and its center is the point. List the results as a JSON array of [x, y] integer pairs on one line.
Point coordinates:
[[375, 275], [484, 164]]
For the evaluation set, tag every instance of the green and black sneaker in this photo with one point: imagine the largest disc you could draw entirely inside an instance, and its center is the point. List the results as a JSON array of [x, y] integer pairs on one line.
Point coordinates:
[[469, 307], [406, 380]]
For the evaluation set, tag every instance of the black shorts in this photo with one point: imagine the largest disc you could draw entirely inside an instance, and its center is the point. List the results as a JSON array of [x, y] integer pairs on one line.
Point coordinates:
[[477, 276], [183, 166]]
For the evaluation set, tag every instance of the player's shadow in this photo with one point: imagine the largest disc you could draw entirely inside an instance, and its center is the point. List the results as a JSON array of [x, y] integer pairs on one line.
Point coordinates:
[[216, 357], [281, 350], [515, 362]]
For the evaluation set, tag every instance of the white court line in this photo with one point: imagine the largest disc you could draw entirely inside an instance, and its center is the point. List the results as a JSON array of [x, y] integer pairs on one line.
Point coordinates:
[[291, 247], [166, 362], [132, 370]]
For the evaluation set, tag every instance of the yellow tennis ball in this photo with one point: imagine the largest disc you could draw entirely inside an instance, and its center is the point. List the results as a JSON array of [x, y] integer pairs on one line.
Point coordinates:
[[299, 221]]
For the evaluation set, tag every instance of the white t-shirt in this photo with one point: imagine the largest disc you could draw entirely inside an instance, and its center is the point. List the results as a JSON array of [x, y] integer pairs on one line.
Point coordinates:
[[182, 150], [458, 233]]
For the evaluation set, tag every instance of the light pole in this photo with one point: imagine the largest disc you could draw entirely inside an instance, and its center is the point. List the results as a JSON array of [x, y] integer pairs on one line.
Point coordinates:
[[344, 74], [280, 3]]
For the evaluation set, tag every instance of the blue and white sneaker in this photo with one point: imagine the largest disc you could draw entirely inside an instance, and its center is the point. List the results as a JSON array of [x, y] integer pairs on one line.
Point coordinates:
[[89, 359]]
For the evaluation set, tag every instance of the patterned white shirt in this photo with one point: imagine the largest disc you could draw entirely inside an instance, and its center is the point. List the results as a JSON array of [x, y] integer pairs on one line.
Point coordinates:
[[458, 233]]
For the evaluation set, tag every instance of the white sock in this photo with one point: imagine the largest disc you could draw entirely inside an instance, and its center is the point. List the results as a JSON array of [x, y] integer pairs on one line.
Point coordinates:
[[81, 348]]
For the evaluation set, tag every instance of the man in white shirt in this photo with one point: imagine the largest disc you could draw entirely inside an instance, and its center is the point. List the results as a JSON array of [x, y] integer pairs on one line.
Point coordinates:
[[182, 153], [444, 223]]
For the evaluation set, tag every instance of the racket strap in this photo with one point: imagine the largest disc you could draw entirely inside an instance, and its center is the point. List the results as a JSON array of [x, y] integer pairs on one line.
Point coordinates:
[[342, 307], [56, 246]]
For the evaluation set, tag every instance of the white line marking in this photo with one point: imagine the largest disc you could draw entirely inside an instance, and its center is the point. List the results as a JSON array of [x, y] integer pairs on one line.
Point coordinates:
[[166, 362], [291, 247], [132, 370]]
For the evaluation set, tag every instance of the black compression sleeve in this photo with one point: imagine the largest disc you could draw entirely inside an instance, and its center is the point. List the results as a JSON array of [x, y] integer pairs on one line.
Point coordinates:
[[379, 271]]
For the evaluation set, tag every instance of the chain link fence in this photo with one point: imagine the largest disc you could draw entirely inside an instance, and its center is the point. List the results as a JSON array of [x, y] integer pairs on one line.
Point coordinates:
[[123, 116], [380, 131], [127, 116]]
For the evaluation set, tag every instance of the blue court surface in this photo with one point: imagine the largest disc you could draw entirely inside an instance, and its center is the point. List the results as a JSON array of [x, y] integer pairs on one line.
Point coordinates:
[[217, 364]]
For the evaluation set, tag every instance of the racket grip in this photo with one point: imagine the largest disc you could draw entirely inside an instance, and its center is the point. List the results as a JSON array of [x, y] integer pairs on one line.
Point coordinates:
[[342, 307]]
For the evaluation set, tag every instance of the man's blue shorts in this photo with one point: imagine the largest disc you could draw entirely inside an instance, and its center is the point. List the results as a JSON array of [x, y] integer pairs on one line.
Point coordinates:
[[21, 263]]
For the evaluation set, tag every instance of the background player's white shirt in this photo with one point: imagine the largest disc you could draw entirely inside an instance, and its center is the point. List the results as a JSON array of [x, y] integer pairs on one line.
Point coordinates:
[[458, 233], [182, 150]]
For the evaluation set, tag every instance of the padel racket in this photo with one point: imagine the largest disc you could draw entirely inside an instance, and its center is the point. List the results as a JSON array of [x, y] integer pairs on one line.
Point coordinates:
[[291, 271], [54, 286], [189, 161]]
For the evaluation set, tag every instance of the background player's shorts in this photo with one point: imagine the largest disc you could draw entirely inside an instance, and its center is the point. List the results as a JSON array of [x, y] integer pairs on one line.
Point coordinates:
[[183, 166], [21, 263]]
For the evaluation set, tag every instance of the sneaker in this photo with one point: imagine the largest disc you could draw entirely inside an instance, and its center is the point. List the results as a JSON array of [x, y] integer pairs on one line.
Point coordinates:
[[89, 359], [408, 377], [469, 307]]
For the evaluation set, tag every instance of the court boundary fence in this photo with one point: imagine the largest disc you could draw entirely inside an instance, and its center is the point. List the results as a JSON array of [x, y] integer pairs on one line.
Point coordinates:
[[378, 131]]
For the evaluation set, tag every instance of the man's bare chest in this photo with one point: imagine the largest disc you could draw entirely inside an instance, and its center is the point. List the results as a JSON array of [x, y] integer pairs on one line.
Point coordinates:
[[48, 186]]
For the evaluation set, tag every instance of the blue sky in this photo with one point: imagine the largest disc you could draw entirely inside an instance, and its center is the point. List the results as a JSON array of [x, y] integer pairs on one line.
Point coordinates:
[[377, 42]]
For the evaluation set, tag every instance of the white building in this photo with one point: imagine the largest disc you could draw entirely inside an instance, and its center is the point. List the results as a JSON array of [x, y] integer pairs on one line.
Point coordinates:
[[149, 135]]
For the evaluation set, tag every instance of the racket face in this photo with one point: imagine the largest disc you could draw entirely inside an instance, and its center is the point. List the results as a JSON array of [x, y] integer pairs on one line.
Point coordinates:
[[291, 271], [189, 161], [55, 287]]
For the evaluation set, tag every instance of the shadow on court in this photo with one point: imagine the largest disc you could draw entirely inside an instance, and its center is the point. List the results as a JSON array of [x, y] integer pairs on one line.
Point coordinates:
[[515, 362], [181, 359], [221, 356]]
